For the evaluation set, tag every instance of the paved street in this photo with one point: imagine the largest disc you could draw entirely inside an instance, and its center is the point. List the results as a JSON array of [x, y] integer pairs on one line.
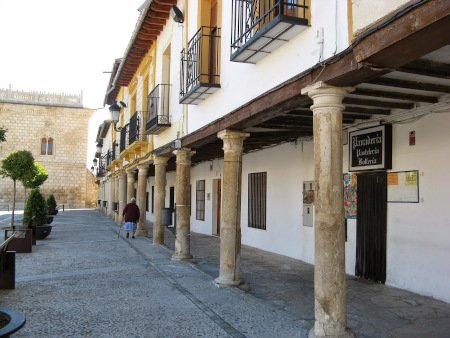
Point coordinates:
[[86, 281]]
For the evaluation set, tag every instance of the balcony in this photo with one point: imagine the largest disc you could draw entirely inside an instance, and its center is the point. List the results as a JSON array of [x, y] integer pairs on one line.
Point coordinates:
[[261, 26], [158, 118], [200, 66], [124, 139]]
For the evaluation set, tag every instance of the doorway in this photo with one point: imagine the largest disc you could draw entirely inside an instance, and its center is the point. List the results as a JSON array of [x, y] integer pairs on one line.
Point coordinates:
[[216, 205], [371, 226]]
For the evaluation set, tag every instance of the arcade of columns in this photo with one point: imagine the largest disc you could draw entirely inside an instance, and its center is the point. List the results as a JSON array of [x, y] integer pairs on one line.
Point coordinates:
[[329, 269]]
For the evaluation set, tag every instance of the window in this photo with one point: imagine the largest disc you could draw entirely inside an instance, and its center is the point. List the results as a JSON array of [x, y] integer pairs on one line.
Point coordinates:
[[146, 201], [46, 146], [257, 187], [200, 200], [153, 199]]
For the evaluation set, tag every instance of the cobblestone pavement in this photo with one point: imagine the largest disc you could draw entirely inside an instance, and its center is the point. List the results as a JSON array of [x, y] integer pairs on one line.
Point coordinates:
[[86, 281]]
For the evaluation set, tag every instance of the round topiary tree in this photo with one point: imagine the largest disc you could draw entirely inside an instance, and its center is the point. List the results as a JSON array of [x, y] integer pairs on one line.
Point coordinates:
[[35, 209], [51, 204], [17, 166]]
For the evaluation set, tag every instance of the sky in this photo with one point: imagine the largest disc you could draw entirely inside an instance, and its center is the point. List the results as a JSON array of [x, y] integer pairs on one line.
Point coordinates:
[[65, 46]]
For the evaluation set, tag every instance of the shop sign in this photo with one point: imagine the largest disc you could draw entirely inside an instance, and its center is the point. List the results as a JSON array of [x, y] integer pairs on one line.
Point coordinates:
[[371, 148]]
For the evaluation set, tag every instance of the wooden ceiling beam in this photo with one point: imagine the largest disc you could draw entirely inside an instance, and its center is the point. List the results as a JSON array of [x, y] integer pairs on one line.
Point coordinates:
[[427, 68], [366, 111], [432, 87], [395, 95], [377, 103]]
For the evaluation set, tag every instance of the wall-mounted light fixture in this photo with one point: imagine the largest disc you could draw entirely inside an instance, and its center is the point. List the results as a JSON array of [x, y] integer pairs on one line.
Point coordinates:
[[114, 109], [176, 14]]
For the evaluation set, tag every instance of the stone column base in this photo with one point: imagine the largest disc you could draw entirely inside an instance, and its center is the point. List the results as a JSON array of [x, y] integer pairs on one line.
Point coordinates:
[[348, 334], [141, 233], [226, 283], [187, 258]]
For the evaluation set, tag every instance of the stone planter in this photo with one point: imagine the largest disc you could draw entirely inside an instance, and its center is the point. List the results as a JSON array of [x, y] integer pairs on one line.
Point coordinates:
[[42, 231], [10, 321]]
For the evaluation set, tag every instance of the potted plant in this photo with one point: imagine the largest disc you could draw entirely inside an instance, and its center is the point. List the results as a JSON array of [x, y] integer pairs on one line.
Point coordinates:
[[35, 214], [51, 205]]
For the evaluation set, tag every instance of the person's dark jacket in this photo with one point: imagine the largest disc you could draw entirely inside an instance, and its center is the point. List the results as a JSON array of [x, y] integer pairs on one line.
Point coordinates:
[[131, 213]]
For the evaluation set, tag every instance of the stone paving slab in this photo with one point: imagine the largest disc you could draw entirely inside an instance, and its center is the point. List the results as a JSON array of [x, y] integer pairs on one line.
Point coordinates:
[[86, 281]]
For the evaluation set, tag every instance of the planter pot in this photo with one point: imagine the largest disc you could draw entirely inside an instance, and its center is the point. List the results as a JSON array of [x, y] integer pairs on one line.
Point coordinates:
[[49, 220], [43, 231], [53, 212], [10, 321]]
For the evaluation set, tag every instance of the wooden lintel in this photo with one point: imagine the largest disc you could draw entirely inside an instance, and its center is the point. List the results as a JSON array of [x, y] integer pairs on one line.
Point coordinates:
[[420, 31]]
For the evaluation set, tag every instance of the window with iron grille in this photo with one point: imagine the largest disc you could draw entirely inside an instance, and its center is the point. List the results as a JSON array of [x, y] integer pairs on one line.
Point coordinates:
[[153, 199], [200, 200], [257, 193]]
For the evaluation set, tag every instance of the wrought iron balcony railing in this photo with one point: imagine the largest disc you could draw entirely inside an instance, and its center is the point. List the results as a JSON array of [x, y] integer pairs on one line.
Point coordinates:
[[261, 26], [109, 157], [200, 66], [135, 129], [124, 139], [101, 169], [158, 117]]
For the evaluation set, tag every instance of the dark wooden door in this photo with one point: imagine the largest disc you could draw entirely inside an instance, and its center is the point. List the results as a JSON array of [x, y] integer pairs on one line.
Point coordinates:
[[371, 226]]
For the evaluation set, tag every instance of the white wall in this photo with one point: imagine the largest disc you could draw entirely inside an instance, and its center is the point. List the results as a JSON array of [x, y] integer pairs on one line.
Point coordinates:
[[419, 233], [418, 243], [297, 55], [365, 12], [203, 172]]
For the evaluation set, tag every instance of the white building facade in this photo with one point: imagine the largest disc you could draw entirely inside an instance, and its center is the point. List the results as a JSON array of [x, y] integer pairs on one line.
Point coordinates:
[[265, 140]]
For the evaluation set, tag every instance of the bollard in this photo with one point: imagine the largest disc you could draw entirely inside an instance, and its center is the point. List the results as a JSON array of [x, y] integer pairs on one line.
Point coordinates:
[[8, 270], [63, 207]]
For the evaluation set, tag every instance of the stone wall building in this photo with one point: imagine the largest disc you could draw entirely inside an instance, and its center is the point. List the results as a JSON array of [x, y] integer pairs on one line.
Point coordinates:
[[54, 127]]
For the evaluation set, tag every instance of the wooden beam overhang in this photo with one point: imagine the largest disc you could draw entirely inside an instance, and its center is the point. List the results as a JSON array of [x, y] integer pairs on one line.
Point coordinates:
[[151, 22], [395, 44]]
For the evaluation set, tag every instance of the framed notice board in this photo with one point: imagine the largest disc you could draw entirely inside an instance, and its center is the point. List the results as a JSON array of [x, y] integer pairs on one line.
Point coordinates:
[[403, 186]]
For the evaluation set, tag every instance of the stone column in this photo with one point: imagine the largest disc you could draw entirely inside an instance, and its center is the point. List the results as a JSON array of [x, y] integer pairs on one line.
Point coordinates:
[[230, 228], [111, 197], [122, 195], [330, 294], [160, 163], [116, 198], [141, 199], [130, 185], [182, 191]]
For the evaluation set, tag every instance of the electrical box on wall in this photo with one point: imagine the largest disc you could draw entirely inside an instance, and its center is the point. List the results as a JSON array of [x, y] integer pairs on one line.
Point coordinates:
[[308, 215]]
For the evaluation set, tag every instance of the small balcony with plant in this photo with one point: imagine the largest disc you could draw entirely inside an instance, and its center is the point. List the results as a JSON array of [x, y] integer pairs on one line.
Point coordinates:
[[261, 26], [158, 118], [200, 66]]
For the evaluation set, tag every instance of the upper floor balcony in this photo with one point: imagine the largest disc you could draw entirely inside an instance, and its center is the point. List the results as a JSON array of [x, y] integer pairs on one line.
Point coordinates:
[[158, 118], [261, 26], [200, 66], [132, 136]]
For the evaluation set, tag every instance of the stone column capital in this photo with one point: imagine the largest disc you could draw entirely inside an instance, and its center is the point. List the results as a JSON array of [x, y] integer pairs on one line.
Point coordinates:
[[233, 141], [143, 169], [160, 160], [183, 155], [326, 96]]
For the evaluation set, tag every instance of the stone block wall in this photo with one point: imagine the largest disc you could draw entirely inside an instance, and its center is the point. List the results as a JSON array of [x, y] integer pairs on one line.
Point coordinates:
[[27, 124]]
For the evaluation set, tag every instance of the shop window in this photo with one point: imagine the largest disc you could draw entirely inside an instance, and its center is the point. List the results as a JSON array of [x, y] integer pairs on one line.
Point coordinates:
[[200, 200], [257, 192]]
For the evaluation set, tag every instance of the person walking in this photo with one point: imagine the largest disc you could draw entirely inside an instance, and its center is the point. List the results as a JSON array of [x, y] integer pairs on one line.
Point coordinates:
[[131, 217]]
